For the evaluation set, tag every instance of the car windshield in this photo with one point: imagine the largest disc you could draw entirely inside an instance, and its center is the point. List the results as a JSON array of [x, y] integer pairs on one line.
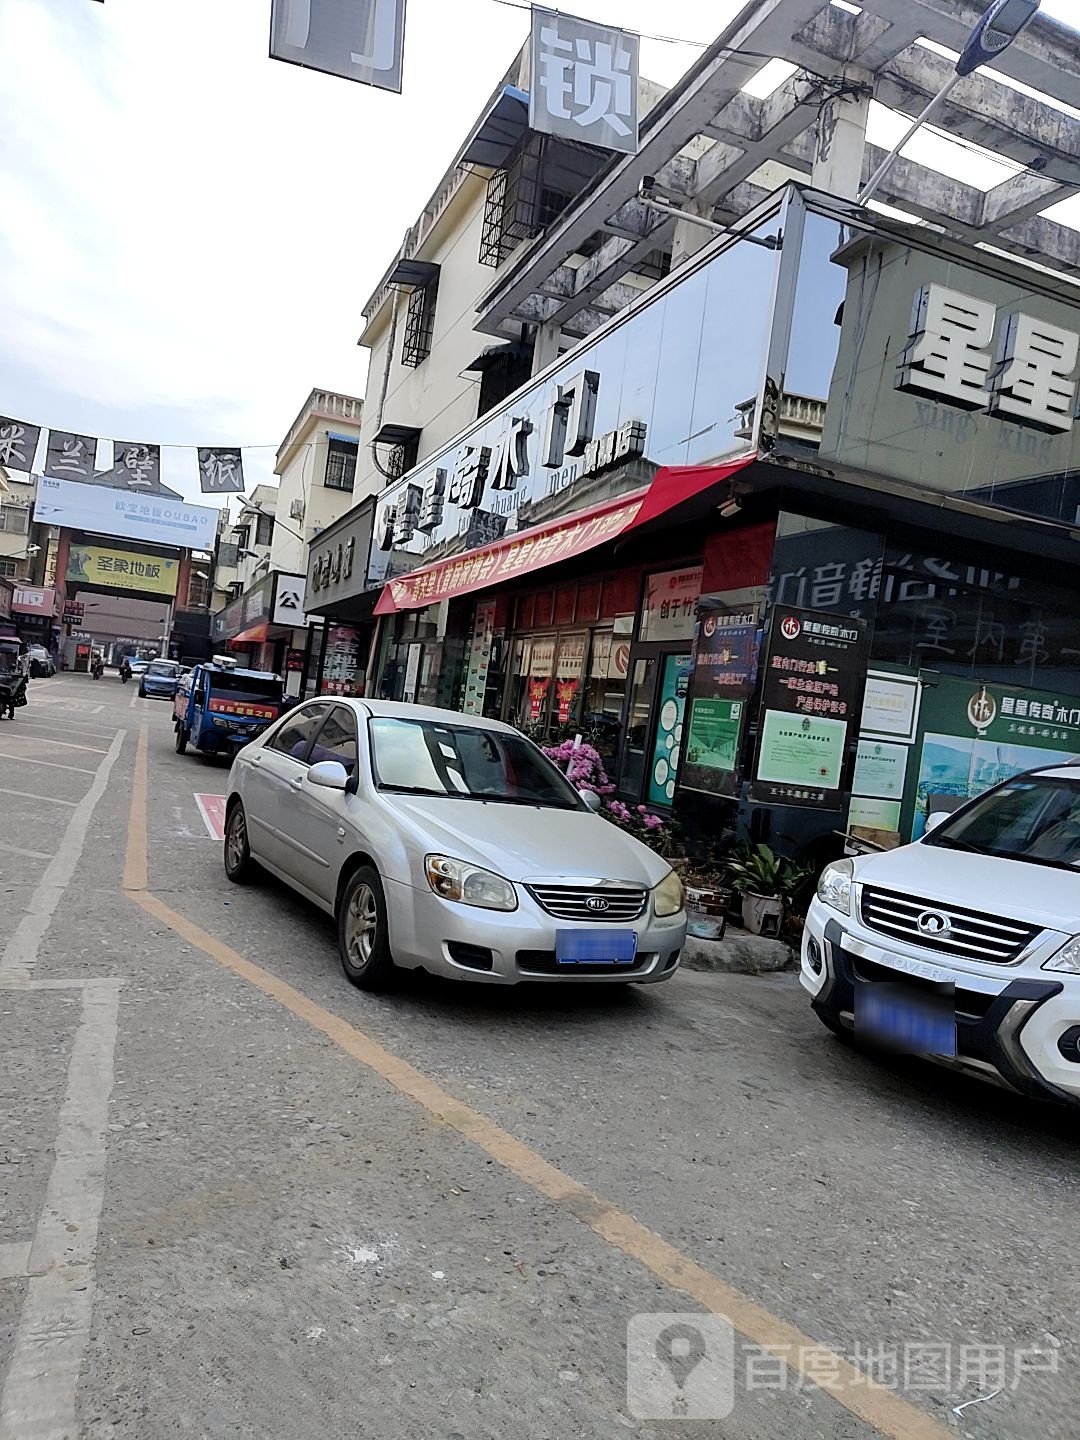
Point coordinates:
[[427, 757], [162, 667], [1036, 819]]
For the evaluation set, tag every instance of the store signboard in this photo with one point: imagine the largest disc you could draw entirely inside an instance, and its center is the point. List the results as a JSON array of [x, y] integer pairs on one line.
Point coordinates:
[[585, 81], [33, 600], [123, 569], [973, 736], [725, 664], [342, 663], [106, 510], [814, 675], [952, 378], [479, 658], [363, 40], [667, 747], [671, 602], [658, 386], [290, 593]]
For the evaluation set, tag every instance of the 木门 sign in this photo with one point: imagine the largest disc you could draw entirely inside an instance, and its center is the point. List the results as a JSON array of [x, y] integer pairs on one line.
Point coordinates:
[[357, 39], [585, 81]]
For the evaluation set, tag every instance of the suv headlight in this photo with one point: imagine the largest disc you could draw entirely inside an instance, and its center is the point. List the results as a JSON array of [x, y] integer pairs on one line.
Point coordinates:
[[1067, 959], [468, 884], [669, 897], [834, 887]]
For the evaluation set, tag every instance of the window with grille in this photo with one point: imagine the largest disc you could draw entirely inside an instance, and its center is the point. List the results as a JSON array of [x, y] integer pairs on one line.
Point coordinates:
[[14, 519], [243, 535], [264, 530], [340, 466], [541, 179], [9, 569], [420, 324]]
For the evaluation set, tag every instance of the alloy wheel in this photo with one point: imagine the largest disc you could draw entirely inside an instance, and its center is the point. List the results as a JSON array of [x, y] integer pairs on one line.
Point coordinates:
[[361, 926]]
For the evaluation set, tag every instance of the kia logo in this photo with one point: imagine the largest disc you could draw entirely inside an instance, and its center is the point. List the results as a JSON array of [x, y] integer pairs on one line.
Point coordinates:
[[930, 922], [597, 904]]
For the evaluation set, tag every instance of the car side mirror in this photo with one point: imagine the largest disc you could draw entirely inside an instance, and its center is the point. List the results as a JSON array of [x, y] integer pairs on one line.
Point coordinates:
[[934, 820], [330, 775], [592, 800]]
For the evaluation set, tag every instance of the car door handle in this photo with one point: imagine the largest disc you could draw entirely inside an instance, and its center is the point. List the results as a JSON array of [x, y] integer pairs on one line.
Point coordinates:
[[298, 782]]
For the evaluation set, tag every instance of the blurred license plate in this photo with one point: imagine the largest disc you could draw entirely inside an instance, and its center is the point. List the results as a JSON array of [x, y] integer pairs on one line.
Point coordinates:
[[913, 1022], [595, 947]]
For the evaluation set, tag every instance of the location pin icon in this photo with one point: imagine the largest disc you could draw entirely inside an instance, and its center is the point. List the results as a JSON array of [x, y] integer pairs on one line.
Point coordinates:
[[681, 1348]]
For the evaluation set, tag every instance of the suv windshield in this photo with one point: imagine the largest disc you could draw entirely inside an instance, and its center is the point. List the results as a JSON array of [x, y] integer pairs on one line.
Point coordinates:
[[1034, 819], [424, 757], [163, 667]]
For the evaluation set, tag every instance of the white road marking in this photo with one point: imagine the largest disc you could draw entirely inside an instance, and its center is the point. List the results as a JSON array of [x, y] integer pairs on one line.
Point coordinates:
[[26, 760], [68, 726], [134, 700], [21, 951], [20, 982], [82, 705], [49, 799], [48, 740], [14, 1258], [22, 850], [54, 1327]]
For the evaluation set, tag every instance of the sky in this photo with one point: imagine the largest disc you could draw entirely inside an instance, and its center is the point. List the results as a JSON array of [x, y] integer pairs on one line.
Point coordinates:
[[189, 230]]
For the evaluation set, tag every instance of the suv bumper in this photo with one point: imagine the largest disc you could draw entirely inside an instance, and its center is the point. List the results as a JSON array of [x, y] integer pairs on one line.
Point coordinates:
[[1007, 1030]]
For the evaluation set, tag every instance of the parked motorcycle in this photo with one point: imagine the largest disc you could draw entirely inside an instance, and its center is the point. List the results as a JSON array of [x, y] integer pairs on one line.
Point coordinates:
[[12, 679]]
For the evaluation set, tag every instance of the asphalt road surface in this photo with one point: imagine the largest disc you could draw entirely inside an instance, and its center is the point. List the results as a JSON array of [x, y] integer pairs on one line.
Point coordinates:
[[240, 1198]]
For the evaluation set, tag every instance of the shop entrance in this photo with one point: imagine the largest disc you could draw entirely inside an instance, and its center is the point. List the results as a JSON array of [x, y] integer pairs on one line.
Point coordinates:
[[655, 712]]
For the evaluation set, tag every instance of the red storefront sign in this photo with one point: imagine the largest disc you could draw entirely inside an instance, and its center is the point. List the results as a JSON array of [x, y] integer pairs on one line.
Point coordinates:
[[32, 600], [241, 707]]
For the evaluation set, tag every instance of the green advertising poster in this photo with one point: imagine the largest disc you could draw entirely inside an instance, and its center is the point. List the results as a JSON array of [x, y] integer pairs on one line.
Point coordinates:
[[801, 750], [715, 726], [974, 735]]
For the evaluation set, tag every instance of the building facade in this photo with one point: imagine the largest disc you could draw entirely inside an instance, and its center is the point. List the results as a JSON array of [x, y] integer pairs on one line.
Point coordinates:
[[316, 463]]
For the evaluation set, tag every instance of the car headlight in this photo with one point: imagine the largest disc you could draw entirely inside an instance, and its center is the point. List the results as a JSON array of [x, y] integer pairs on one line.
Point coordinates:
[[468, 884], [1067, 959], [669, 897], [834, 887]]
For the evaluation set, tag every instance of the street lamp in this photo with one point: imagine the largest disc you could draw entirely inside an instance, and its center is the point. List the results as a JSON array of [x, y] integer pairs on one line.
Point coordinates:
[[995, 32]]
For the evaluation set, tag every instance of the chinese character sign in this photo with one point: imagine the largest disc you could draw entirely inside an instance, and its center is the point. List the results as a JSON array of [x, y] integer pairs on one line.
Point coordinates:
[[137, 466], [221, 472], [359, 40], [585, 82], [814, 672], [122, 569], [69, 456], [18, 443]]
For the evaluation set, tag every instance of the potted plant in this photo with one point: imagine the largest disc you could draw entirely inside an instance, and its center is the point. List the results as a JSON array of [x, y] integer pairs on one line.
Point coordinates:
[[708, 898], [766, 881]]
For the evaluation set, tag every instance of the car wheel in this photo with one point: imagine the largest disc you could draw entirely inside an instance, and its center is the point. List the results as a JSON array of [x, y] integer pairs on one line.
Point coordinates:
[[181, 739], [239, 866], [363, 932]]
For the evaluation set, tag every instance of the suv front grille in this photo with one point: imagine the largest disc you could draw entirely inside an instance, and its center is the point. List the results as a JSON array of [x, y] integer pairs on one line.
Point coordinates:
[[965, 934], [600, 904]]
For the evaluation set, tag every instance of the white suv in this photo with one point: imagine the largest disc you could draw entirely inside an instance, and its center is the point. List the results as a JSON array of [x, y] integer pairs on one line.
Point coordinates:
[[965, 946]]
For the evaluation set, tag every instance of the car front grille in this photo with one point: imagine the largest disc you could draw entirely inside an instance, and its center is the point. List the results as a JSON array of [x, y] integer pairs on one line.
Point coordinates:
[[546, 962], [604, 905], [964, 934]]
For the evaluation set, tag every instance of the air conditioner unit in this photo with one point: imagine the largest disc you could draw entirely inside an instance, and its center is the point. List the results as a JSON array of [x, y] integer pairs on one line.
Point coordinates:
[[296, 510]]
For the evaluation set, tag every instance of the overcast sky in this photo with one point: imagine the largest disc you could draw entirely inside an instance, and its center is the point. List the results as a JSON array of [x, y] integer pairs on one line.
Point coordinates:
[[189, 230]]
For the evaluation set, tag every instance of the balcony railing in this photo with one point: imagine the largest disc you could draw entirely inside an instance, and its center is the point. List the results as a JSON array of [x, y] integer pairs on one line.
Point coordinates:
[[326, 405]]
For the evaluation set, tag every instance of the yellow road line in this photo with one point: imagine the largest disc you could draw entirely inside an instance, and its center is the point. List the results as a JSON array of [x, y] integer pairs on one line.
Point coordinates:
[[885, 1411]]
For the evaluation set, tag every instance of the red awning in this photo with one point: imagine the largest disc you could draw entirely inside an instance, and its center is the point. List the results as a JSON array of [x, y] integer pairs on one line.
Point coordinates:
[[559, 540], [256, 635]]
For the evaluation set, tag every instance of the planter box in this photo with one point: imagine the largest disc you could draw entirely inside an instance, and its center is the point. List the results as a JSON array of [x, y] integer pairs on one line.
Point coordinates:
[[762, 914]]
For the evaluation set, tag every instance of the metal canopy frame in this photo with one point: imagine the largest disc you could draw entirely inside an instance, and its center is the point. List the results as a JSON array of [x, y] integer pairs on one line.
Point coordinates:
[[707, 141]]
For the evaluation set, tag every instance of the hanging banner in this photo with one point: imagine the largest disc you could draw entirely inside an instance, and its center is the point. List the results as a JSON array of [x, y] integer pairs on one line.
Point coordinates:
[[221, 471], [18, 443], [69, 456], [122, 569], [137, 466], [359, 40], [585, 81], [814, 676]]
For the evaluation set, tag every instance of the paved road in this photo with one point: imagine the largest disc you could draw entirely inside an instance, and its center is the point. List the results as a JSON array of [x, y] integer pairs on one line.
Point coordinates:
[[239, 1198]]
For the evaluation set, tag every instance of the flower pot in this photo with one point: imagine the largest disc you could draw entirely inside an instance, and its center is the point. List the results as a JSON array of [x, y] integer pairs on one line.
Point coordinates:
[[762, 914]]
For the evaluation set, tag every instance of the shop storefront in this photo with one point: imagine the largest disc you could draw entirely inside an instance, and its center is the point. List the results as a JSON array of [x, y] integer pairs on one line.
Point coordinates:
[[342, 602], [637, 549], [267, 627], [33, 610]]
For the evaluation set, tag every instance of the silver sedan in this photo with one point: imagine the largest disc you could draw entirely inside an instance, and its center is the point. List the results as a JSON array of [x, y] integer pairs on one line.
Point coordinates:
[[448, 844]]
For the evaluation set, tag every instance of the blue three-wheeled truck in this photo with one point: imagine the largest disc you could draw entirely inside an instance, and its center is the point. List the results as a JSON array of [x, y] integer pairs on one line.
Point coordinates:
[[219, 707]]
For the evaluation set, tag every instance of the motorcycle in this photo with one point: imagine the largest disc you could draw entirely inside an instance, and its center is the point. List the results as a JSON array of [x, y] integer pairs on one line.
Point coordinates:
[[12, 680], [97, 670]]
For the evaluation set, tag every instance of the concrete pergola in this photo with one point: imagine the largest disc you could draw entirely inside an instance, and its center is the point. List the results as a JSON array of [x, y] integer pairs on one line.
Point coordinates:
[[717, 151]]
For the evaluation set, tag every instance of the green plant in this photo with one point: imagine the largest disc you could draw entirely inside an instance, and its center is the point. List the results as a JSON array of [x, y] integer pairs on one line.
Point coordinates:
[[758, 870]]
